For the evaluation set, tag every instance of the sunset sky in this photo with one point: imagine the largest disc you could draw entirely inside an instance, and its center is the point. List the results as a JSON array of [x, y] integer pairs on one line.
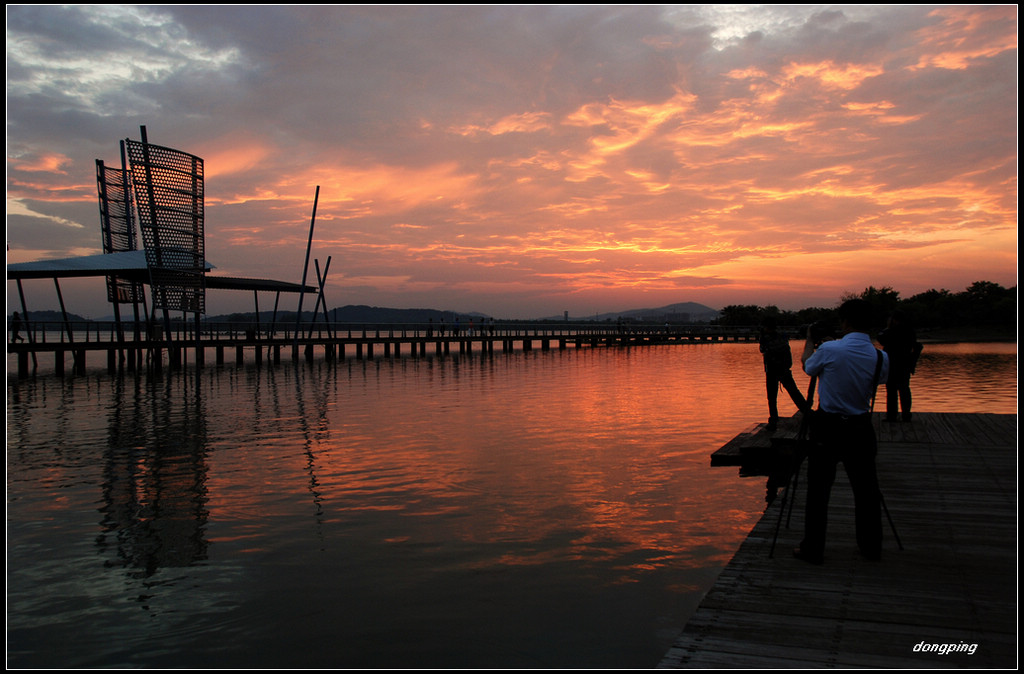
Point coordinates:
[[523, 161]]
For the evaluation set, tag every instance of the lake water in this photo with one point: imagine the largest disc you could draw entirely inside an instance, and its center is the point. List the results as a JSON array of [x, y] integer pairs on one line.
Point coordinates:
[[530, 509]]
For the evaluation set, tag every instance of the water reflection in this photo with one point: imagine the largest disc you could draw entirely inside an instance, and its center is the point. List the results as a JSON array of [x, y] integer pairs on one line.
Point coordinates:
[[527, 509], [154, 482]]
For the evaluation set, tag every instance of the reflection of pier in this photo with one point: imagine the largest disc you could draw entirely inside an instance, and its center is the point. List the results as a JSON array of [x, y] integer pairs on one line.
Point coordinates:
[[155, 473], [332, 341]]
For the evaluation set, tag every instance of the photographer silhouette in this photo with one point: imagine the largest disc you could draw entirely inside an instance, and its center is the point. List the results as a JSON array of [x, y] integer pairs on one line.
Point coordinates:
[[848, 370], [778, 370], [900, 342]]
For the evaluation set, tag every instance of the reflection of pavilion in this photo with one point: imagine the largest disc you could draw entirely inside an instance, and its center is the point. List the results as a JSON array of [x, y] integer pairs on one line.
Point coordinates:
[[154, 477], [165, 188]]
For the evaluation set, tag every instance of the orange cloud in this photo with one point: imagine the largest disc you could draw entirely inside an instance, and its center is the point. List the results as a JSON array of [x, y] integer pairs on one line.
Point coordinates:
[[830, 75], [619, 126], [527, 122], [49, 163], [59, 193], [350, 191], [965, 35], [224, 162]]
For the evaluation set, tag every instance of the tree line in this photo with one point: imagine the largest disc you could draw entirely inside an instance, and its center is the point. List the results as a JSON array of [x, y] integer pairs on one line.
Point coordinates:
[[983, 304]]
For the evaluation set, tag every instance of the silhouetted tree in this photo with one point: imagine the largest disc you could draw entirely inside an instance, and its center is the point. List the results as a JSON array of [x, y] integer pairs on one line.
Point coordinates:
[[982, 304], [740, 315], [934, 308], [883, 302]]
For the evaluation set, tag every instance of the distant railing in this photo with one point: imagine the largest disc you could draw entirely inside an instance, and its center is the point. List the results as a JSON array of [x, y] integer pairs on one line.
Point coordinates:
[[134, 346], [91, 332]]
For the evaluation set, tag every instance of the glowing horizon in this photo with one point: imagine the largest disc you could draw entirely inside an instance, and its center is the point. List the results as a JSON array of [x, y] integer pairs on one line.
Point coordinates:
[[525, 161]]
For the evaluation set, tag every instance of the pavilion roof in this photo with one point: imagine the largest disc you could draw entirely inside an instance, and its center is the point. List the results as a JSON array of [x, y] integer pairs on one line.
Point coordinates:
[[131, 265]]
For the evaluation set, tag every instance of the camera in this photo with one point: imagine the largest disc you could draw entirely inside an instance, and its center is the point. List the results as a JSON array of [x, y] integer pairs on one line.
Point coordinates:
[[819, 331]]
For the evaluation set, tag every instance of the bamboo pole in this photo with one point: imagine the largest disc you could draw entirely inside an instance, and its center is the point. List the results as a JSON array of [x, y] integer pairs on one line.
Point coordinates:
[[305, 268]]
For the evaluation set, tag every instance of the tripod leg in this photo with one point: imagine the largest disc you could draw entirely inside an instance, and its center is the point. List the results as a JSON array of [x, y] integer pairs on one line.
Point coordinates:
[[790, 489], [796, 480], [889, 517], [802, 437], [778, 522]]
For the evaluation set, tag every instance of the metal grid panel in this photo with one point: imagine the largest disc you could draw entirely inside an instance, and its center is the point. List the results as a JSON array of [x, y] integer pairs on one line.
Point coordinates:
[[117, 225], [168, 187]]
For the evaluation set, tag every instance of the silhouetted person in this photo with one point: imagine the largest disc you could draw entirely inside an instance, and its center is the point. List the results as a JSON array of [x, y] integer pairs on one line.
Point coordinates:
[[848, 371], [899, 341], [778, 370], [16, 328]]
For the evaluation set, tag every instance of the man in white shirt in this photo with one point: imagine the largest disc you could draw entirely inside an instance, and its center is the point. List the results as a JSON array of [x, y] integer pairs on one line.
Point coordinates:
[[848, 371]]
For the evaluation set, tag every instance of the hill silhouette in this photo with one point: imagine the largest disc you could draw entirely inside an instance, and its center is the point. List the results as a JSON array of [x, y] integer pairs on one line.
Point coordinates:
[[683, 312]]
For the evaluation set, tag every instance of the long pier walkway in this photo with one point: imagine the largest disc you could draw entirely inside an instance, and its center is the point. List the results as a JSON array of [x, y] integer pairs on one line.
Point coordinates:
[[947, 599], [337, 341]]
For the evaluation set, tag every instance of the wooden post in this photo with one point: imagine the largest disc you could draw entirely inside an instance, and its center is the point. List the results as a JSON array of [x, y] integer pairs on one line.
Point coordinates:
[[28, 329]]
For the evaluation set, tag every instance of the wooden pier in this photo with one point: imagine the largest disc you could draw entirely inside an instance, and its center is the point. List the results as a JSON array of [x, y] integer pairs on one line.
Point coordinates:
[[947, 599], [215, 343]]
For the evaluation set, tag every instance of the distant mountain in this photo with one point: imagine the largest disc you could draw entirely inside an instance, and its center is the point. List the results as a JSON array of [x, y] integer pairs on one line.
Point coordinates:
[[352, 314], [682, 312], [50, 316], [365, 314]]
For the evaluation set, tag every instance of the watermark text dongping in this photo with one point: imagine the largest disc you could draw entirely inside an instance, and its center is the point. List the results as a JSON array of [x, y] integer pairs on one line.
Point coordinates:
[[946, 649]]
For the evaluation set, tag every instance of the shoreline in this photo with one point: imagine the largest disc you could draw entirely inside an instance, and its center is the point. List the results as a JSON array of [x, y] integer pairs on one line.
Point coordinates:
[[951, 335]]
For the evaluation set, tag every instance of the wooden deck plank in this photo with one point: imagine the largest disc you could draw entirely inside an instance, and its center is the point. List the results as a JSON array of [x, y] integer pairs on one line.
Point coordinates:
[[950, 484]]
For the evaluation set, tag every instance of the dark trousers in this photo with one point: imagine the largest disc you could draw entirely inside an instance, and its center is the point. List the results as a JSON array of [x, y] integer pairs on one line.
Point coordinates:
[[772, 379], [897, 394], [850, 440]]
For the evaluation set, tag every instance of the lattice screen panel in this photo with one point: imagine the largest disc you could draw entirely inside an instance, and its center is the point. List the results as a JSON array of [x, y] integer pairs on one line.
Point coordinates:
[[117, 225], [168, 187]]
